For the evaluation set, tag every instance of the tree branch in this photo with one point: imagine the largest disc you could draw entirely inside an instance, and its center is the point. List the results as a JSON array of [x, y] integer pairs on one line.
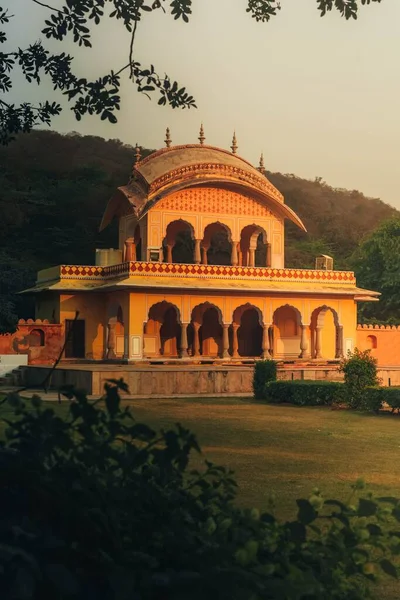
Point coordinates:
[[131, 47], [46, 6]]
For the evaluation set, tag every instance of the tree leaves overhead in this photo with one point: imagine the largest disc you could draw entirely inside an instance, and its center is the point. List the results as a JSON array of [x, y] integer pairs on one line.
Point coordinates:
[[75, 19]]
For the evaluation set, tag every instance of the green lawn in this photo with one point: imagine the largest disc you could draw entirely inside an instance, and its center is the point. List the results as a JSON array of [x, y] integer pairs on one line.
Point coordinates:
[[286, 450]]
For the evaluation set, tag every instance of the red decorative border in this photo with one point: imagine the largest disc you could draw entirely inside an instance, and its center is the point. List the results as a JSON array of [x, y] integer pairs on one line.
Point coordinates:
[[215, 271]]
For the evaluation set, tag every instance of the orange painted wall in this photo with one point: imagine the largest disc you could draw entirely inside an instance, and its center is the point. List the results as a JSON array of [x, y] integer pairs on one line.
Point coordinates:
[[19, 342], [382, 340]]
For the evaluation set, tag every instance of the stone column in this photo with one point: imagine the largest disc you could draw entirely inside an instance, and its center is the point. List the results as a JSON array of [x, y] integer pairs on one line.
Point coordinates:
[[234, 254], [204, 260], [111, 340], [197, 252], [169, 253], [129, 243], [339, 341], [265, 342], [225, 340], [252, 257], [240, 258], [196, 340], [269, 255], [304, 342], [271, 339], [318, 342], [235, 342], [184, 341]]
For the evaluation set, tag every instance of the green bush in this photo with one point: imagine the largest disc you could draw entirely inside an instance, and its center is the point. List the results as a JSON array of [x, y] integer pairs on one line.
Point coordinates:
[[374, 398], [264, 372], [360, 372], [305, 393], [97, 505]]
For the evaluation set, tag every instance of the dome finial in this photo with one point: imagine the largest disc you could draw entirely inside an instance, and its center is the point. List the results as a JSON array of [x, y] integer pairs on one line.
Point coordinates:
[[261, 166], [201, 135], [167, 140], [234, 146], [138, 154]]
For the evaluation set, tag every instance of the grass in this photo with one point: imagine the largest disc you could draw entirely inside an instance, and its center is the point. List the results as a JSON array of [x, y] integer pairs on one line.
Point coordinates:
[[285, 450]]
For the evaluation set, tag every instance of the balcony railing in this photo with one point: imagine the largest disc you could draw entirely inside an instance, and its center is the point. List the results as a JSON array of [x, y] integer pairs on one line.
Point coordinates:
[[137, 269]]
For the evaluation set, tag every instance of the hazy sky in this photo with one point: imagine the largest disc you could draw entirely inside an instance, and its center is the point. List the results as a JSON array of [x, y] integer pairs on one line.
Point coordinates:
[[320, 97]]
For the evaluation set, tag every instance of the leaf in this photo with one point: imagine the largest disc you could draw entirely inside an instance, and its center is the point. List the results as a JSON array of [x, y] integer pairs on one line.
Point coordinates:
[[306, 513], [388, 568], [366, 508], [298, 532], [63, 579]]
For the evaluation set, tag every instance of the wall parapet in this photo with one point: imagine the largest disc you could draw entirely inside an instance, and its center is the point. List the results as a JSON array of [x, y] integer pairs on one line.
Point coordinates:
[[136, 268], [379, 327]]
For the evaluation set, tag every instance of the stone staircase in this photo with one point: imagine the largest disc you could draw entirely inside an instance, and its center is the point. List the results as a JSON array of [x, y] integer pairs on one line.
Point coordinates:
[[12, 378]]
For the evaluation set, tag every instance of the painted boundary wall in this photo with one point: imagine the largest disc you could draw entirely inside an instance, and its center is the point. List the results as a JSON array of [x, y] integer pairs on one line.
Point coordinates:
[[383, 341], [40, 340]]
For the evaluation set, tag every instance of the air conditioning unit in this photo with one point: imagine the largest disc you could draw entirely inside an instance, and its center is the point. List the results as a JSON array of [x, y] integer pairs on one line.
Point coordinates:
[[324, 263], [108, 257]]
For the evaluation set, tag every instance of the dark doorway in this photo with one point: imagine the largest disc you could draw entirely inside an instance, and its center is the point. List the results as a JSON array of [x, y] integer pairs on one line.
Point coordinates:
[[75, 336]]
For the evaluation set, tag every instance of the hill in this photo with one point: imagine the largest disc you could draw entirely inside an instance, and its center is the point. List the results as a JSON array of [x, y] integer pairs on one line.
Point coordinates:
[[53, 190]]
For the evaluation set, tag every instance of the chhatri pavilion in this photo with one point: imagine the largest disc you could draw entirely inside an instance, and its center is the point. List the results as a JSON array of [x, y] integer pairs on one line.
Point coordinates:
[[199, 274]]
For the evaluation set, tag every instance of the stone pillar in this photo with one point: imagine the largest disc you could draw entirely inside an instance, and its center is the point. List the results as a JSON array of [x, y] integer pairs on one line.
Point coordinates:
[[196, 340], [204, 260], [271, 339], [129, 244], [111, 341], [240, 257], [252, 257], [234, 254], [169, 253], [339, 341], [197, 252], [318, 342], [265, 342], [304, 342], [225, 340], [184, 340], [269, 255], [235, 342]]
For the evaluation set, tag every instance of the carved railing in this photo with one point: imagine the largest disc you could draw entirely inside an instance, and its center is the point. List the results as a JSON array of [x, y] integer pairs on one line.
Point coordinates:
[[157, 269]]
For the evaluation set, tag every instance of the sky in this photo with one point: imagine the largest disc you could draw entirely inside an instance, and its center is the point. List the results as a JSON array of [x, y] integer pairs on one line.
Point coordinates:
[[318, 96]]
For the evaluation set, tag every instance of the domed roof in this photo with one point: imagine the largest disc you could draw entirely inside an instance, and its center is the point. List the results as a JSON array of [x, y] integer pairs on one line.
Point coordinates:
[[178, 167]]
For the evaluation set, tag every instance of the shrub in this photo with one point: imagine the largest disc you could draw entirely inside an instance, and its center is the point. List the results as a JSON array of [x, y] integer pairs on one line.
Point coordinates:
[[360, 372], [264, 372], [305, 393], [374, 398], [97, 505]]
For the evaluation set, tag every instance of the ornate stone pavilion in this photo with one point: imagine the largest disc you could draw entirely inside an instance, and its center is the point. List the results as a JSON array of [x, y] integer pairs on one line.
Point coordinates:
[[199, 274]]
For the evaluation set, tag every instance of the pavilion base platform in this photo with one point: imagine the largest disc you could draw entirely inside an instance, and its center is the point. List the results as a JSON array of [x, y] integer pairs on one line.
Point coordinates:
[[170, 380]]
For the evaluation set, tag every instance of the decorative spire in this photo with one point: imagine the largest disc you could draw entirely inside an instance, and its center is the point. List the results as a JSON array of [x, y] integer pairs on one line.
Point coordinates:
[[201, 136], [261, 166], [234, 146], [167, 140], [138, 154]]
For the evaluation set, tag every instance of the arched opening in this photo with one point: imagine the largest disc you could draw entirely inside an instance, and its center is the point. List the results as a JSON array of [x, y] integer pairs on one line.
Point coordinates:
[[254, 250], [36, 338], [286, 333], [326, 334], [137, 237], [248, 319], [162, 331], [216, 245], [115, 333], [372, 342], [206, 331], [178, 244]]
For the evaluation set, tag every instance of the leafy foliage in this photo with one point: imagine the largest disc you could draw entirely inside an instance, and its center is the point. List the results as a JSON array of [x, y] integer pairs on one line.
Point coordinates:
[[100, 506], [360, 373], [375, 397], [304, 393], [264, 372], [377, 267], [76, 19]]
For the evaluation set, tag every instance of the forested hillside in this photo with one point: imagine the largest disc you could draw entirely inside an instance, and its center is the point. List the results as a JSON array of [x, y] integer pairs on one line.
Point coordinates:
[[53, 190]]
